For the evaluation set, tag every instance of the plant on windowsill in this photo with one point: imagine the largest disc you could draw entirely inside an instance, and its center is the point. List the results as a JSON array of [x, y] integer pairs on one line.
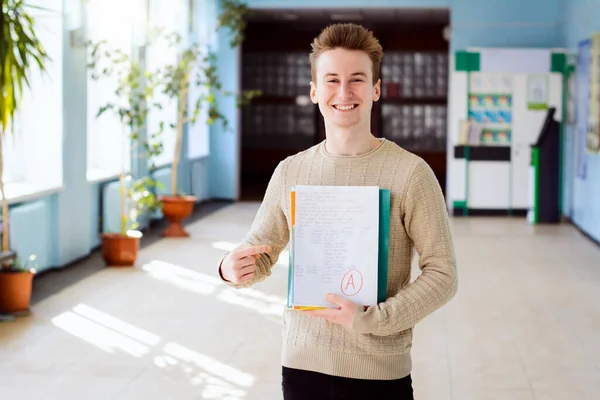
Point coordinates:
[[176, 81], [20, 50], [132, 99]]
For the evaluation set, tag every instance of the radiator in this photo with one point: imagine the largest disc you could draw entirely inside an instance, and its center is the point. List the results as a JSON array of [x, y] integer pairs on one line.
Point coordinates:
[[200, 179], [30, 231], [111, 221], [163, 176], [111, 202]]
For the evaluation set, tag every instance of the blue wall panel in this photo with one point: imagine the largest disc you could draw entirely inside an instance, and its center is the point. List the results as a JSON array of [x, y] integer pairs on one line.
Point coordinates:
[[30, 229], [74, 203], [163, 176], [224, 143], [95, 216], [582, 195], [568, 171], [199, 177], [111, 207]]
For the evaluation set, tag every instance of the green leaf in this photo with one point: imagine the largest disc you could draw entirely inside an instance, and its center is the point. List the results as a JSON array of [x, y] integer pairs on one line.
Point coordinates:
[[20, 50]]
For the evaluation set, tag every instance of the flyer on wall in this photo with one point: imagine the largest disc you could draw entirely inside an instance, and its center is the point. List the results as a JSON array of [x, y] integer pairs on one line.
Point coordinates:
[[582, 110], [593, 131]]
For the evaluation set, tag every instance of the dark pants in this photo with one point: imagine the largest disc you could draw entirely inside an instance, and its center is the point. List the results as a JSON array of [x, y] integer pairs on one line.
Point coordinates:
[[307, 385]]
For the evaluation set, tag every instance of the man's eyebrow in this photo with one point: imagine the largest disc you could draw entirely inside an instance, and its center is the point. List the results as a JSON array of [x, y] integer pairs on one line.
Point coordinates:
[[354, 74]]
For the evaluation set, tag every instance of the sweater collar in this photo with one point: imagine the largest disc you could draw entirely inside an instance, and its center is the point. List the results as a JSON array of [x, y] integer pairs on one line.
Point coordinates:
[[335, 157]]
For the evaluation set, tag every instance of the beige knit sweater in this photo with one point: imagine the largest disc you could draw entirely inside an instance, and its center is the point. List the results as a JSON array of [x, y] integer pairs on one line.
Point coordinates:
[[379, 342]]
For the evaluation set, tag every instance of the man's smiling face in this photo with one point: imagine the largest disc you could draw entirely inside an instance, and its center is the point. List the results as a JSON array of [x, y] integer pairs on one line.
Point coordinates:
[[344, 87]]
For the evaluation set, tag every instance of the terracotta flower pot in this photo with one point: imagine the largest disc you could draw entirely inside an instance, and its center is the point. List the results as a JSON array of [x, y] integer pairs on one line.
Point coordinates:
[[176, 209], [15, 291], [119, 250]]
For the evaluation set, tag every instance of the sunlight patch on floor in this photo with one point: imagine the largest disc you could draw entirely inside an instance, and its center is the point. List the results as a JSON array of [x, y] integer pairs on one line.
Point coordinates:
[[255, 300], [102, 337], [212, 387], [216, 379], [214, 367], [116, 324], [207, 285], [225, 246], [283, 260], [183, 277]]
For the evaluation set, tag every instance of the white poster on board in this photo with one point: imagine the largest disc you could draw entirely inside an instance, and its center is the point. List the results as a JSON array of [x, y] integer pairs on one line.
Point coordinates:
[[537, 92], [483, 82]]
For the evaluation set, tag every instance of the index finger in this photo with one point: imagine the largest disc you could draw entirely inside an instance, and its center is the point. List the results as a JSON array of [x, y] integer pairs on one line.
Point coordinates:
[[252, 250]]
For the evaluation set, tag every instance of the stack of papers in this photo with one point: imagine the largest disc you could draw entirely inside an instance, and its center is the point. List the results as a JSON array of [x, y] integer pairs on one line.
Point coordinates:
[[339, 244]]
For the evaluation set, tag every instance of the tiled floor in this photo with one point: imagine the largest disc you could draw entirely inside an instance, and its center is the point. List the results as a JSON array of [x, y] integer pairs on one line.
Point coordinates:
[[524, 325]]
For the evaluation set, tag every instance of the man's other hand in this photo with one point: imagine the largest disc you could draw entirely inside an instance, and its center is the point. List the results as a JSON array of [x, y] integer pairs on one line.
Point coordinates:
[[239, 265], [343, 315]]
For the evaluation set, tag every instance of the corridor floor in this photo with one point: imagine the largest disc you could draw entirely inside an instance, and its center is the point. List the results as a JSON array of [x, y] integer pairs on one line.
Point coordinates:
[[525, 324]]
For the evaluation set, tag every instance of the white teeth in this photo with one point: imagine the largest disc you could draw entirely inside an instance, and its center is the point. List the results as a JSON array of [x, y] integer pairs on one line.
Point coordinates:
[[345, 108]]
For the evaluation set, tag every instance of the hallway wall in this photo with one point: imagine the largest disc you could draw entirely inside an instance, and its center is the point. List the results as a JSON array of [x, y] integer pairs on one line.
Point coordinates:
[[581, 192]]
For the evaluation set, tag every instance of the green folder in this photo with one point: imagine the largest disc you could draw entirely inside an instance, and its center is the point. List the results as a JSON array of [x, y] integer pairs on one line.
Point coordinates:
[[383, 254], [384, 240]]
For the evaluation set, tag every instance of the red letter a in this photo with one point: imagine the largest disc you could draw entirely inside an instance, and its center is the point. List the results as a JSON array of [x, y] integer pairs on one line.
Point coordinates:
[[350, 282]]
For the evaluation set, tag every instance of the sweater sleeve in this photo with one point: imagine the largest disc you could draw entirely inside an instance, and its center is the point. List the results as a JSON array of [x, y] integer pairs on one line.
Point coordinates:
[[426, 222], [270, 227]]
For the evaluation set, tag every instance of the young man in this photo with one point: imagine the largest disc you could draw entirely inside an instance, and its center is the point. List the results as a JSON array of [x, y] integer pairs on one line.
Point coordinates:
[[352, 352]]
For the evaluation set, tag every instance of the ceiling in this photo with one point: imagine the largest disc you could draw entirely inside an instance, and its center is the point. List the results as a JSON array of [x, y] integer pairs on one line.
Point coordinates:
[[422, 16]]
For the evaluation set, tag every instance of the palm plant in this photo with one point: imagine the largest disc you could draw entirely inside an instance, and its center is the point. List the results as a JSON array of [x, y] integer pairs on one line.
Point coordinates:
[[20, 51]]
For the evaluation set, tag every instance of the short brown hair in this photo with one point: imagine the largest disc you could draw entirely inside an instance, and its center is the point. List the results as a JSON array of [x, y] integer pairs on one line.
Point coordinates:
[[350, 37]]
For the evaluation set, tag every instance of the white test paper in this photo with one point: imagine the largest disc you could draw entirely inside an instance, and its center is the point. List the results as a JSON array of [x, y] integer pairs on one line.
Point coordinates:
[[336, 240]]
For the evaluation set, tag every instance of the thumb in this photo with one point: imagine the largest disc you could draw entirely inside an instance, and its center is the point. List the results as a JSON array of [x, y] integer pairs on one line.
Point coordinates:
[[339, 300]]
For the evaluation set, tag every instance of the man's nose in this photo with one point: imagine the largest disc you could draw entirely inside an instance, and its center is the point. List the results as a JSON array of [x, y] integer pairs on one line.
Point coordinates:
[[344, 90]]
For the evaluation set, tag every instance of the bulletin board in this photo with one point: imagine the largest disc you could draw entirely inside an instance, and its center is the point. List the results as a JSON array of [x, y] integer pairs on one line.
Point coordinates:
[[490, 107]]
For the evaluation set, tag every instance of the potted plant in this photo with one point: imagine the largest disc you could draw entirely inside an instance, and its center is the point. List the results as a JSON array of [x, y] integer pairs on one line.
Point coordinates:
[[20, 50], [132, 102], [16, 282], [120, 249], [176, 81]]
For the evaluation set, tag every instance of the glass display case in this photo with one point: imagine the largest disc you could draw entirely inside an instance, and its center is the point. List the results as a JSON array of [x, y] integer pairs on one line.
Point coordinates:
[[414, 99], [282, 116], [413, 103]]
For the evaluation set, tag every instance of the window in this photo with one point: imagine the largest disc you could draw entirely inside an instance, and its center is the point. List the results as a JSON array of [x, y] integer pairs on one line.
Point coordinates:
[[108, 141], [32, 147], [171, 16], [199, 133]]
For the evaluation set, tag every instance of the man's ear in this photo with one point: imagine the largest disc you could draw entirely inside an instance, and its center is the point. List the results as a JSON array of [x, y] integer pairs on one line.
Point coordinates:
[[313, 92], [377, 91]]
